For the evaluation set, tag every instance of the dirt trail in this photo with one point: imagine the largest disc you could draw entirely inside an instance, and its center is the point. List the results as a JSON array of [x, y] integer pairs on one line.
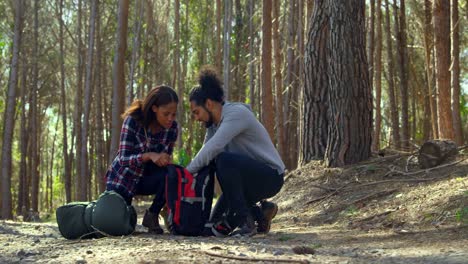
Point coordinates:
[[391, 220]]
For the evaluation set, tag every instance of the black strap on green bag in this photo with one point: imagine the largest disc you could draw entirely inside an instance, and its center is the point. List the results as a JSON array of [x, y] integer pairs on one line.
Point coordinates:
[[109, 215]]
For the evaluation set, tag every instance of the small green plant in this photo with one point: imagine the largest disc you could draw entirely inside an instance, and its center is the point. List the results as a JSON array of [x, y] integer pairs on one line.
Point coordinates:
[[351, 211], [462, 215], [285, 237], [181, 157]]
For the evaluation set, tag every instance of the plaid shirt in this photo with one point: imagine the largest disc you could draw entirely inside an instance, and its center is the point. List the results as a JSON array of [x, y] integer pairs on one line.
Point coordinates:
[[127, 168]]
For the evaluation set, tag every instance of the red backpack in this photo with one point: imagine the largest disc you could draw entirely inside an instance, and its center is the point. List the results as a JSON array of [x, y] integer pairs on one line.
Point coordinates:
[[188, 199]]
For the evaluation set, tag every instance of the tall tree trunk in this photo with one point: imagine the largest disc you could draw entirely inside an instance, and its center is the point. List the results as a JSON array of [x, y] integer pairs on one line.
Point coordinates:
[[23, 191], [100, 156], [371, 41], [218, 58], [278, 78], [428, 47], [227, 46], [267, 94], [118, 93], [252, 54], [78, 108], [349, 138], [83, 193], [442, 55], [457, 127], [135, 49], [66, 162], [403, 59], [9, 115], [34, 115], [391, 83], [315, 109], [176, 73], [378, 79]]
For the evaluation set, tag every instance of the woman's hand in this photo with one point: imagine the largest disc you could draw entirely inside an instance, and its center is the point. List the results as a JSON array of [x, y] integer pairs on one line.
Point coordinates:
[[160, 159]]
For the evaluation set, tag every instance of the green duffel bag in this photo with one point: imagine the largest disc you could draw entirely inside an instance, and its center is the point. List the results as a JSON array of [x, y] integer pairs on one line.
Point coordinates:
[[73, 220], [112, 216]]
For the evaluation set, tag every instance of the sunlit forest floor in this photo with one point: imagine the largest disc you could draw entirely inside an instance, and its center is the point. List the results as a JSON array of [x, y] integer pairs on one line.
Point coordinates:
[[385, 210]]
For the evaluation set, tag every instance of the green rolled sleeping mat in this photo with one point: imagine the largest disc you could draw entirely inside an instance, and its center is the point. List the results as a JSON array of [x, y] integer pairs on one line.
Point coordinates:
[[108, 215]]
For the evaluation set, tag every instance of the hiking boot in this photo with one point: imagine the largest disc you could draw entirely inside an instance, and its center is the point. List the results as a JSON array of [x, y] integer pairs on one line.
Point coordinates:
[[151, 221], [221, 229], [246, 228], [269, 210]]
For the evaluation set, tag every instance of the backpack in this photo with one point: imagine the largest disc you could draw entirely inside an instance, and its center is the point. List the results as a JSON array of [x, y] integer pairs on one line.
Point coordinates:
[[108, 215], [188, 199]]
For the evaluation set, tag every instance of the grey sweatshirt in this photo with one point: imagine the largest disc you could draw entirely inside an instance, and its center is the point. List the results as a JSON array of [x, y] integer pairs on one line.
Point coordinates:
[[239, 132]]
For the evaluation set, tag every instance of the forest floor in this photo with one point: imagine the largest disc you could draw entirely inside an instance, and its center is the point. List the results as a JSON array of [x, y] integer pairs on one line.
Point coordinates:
[[385, 210]]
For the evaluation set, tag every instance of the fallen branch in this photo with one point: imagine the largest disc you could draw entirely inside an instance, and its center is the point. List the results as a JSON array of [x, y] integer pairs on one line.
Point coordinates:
[[256, 259], [328, 195], [323, 187], [373, 195], [424, 170], [399, 180], [373, 216]]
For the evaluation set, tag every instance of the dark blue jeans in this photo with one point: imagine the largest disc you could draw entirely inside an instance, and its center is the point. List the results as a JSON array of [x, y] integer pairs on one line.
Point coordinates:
[[244, 182], [153, 182]]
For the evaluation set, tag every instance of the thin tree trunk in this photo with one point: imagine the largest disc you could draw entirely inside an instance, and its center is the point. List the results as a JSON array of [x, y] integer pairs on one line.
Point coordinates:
[[9, 115], [457, 127], [428, 46], [176, 73], [349, 140], [78, 108], [218, 36], [226, 49], [34, 115], [66, 162], [278, 78], [23, 192], [100, 156], [378, 79], [442, 55], [252, 54], [267, 95], [135, 49], [391, 83], [118, 94], [315, 113], [371, 41], [83, 193]]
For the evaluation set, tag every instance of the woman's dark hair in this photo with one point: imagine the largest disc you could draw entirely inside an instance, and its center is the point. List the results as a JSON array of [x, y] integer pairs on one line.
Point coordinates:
[[210, 87], [141, 110]]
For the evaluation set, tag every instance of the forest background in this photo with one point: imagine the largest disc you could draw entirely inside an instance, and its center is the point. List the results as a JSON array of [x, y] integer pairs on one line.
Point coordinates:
[[69, 68]]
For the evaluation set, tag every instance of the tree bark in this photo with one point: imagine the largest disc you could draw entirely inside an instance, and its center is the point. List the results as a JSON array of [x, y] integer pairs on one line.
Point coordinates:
[[267, 95], [395, 124], [371, 41], [226, 48], [428, 47], [252, 54], [34, 152], [349, 138], [78, 108], [378, 80], [315, 109], [83, 193], [278, 78], [218, 52], [442, 55], [457, 127], [118, 93], [135, 50], [9, 115]]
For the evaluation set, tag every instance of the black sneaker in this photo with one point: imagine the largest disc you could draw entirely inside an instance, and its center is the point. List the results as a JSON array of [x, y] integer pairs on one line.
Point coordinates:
[[246, 228], [221, 229], [269, 210], [151, 221]]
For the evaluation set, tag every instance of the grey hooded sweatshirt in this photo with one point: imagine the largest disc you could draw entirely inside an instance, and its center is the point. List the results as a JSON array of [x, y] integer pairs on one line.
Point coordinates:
[[238, 132]]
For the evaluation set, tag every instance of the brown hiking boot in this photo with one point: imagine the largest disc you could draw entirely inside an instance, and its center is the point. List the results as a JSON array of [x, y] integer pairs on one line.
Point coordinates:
[[269, 210], [151, 221]]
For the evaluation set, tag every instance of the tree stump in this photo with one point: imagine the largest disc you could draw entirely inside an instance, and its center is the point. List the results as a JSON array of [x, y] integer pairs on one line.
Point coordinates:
[[435, 152]]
